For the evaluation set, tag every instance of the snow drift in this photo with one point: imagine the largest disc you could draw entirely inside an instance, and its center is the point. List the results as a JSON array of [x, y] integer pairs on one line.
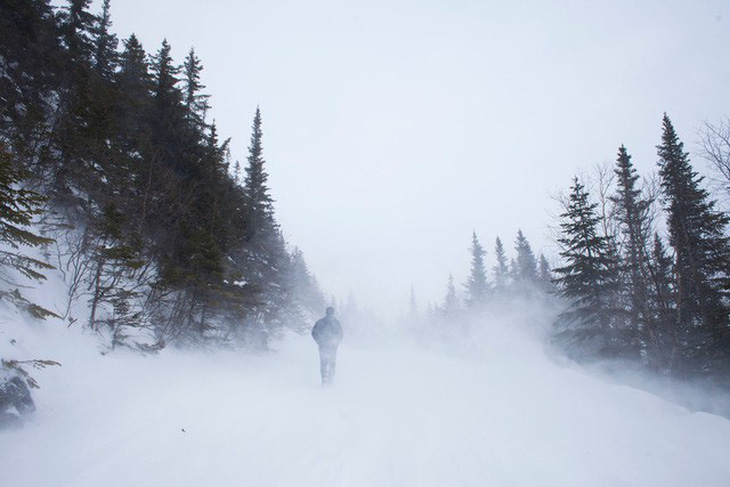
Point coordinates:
[[502, 414]]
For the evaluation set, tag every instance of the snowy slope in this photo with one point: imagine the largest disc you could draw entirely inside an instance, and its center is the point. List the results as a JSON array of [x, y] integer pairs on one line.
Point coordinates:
[[398, 415]]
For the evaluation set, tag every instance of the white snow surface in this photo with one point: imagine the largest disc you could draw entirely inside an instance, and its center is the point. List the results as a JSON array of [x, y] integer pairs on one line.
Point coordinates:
[[503, 414]]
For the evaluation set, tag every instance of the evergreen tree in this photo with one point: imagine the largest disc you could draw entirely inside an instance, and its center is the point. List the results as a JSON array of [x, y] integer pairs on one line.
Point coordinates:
[[526, 270], [77, 28], [105, 44], [132, 115], [476, 285], [631, 212], [697, 237], [665, 345], [30, 60], [544, 275], [265, 260], [588, 279], [305, 288], [451, 301], [17, 209], [195, 102], [501, 269], [260, 201]]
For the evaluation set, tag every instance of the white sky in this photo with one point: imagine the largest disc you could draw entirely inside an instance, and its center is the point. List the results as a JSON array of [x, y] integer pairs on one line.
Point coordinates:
[[392, 129]]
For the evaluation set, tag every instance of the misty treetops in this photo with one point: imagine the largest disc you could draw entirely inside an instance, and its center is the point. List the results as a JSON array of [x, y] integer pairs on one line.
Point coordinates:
[[157, 234]]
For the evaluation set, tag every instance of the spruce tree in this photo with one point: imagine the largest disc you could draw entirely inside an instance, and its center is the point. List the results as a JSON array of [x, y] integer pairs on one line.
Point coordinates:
[[265, 259], [18, 206], [501, 269], [105, 44], [77, 26], [544, 275], [196, 103], [664, 351], [526, 265], [631, 212], [260, 202], [701, 257], [476, 285], [451, 302], [588, 279]]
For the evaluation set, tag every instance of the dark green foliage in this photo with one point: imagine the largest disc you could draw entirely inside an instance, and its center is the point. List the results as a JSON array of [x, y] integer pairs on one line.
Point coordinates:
[[587, 280], [164, 239], [666, 308], [18, 206], [77, 26], [105, 44], [663, 344], [701, 257], [631, 212], [195, 102]]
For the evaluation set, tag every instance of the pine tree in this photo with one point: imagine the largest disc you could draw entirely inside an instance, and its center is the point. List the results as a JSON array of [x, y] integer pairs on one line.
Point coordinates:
[[588, 279], [77, 26], [631, 212], [30, 60], [501, 269], [664, 350], [544, 275], [451, 301], [265, 259], [701, 257], [132, 111], [526, 269], [196, 103], [17, 209], [305, 288], [476, 285], [105, 44], [260, 201]]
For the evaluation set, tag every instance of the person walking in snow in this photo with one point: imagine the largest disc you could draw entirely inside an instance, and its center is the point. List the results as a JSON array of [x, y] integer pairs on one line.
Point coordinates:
[[327, 332]]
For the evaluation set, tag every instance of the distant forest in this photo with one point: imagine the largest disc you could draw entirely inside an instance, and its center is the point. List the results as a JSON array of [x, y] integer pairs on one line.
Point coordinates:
[[158, 236]]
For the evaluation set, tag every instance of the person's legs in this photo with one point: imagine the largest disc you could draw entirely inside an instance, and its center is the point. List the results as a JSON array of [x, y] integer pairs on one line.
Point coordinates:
[[327, 357], [332, 363], [323, 364]]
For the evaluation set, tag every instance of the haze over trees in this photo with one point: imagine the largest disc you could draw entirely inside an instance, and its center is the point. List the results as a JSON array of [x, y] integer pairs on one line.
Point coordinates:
[[156, 236], [658, 298], [162, 237]]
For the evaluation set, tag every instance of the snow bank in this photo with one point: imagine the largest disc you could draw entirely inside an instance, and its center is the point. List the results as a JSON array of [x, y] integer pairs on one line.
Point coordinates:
[[397, 415]]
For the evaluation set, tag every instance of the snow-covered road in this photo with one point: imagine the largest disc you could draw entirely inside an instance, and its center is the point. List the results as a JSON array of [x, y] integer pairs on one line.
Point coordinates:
[[398, 415]]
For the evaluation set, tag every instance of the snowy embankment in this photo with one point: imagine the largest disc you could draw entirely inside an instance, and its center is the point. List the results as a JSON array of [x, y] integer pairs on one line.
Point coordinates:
[[398, 415]]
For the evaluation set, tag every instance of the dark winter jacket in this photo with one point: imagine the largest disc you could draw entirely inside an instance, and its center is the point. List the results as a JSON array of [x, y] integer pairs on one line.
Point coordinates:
[[327, 332]]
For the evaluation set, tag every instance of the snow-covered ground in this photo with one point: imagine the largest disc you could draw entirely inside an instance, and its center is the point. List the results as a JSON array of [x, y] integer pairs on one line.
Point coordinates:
[[398, 415]]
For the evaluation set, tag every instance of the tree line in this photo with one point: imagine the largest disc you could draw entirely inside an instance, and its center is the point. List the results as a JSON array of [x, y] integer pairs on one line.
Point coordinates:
[[510, 283], [644, 274], [158, 235]]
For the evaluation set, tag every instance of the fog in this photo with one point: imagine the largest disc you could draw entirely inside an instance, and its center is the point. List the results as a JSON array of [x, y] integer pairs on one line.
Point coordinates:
[[393, 129], [493, 403]]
